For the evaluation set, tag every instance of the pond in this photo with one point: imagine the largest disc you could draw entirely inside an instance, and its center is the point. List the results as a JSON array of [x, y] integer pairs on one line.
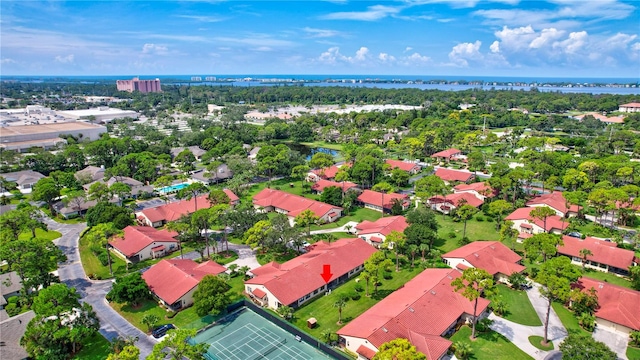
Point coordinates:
[[308, 151]]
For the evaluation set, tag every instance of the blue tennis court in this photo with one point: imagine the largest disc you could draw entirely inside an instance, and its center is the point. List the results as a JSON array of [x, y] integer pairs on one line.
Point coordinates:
[[245, 335]]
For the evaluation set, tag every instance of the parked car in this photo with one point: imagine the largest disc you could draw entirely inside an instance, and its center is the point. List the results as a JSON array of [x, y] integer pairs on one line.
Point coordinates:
[[526, 286], [162, 330], [575, 234]]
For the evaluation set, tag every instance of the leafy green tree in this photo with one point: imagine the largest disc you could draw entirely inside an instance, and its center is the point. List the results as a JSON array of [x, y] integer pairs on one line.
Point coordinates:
[[542, 213], [129, 352], [186, 161], [130, 289], [395, 240], [13, 223], [61, 324], [32, 259], [429, 186], [398, 349], [285, 311], [508, 233], [374, 265], [399, 177], [321, 160], [175, 346], [300, 172], [634, 274], [542, 244], [305, 219], [75, 199], [383, 187], [464, 213], [46, 190], [584, 254], [257, 234], [584, 301], [99, 192], [150, 320], [472, 283], [105, 212], [192, 191], [499, 208], [556, 276], [212, 296], [462, 350], [332, 195], [577, 346], [121, 190]]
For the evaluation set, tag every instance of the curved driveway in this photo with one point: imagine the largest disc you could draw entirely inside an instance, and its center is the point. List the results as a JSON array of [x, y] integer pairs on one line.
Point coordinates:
[[72, 273]]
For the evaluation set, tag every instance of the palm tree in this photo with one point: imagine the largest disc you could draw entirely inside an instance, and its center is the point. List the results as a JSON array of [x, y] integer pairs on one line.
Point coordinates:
[[472, 283], [584, 253], [244, 270], [462, 350], [340, 304]]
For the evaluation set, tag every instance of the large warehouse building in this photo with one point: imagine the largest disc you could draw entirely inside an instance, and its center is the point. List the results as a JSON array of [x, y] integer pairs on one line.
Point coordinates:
[[22, 137]]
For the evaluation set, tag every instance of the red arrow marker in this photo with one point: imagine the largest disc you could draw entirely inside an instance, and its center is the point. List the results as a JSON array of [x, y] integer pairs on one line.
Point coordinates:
[[326, 273]]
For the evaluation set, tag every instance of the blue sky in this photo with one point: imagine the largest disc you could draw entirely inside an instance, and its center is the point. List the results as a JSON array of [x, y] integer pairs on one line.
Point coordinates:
[[563, 38]]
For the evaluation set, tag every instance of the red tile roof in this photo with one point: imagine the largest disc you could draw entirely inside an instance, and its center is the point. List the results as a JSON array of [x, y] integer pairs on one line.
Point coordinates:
[[616, 303], [553, 222], [382, 226], [421, 311], [632, 104], [402, 165], [137, 238], [173, 211], [232, 196], [458, 199], [604, 252], [366, 352], [172, 279], [259, 293], [377, 198], [300, 276], [554, 200], [446, 153], [492, 256], [479, 187], [331, 171], [322, 184], [292, 204], [627, 205], [453, 175]]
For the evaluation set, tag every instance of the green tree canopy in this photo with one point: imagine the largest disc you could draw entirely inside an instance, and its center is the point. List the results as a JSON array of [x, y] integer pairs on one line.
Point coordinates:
[[577, 346], [130, 289], [398, 349], [212, 296]]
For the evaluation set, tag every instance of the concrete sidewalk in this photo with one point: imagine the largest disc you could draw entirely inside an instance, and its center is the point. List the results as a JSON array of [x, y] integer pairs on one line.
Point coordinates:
[[348, 227], [556, 332]]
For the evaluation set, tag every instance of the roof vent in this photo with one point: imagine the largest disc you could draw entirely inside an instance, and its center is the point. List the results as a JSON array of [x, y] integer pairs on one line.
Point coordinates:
[[385, 329], [411, 309], [492, 247], [600, 285], [449, 277], [433, 292], [475, 254]]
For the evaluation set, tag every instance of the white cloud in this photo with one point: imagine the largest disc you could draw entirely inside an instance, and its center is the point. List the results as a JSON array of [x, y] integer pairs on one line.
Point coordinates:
[[495, 47], [516, 38], [203, 18], [263, 48], [408, 48], [7, 61], [154, 49], [321, 33], [64, 59], [333, 56], [361, 54], [375, 12], [256, 40], [573, 44], [386, 58], [462, 53], [546, 36]]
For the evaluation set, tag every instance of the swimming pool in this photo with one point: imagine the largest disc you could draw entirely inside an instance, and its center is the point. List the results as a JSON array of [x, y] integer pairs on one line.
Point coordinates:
[[172, 188], [245, 335]]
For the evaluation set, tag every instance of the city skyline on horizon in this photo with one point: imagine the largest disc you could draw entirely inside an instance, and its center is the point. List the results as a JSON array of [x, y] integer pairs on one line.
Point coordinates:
[[500, 38]]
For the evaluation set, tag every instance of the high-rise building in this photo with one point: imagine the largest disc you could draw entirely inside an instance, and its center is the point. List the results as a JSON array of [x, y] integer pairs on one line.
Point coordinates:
[[144, 86]]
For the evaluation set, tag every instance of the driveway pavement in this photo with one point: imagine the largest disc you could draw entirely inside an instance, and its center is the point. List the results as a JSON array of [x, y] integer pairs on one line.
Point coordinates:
[[72, 273], [556, 332], [344, 228], [616, 341]]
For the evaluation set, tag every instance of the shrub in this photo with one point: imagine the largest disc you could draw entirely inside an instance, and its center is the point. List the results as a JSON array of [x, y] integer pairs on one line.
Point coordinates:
[[387, 275], [452, 234], [483, 324], [479, 218], [171, 314], [587, 321], [359, 288], [355, 296], [464, 241], [103, 257]]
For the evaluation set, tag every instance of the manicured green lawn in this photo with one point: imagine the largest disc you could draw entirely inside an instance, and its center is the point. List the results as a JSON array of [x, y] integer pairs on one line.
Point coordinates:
[[607, 277], [332, 146], [519, 308], [282, 184], [569, 320], [476, 230], [489, 345], [92, 266], [41, 235], [633, 353], [327, 316], [96, 348], [593, 229], [537, 342]]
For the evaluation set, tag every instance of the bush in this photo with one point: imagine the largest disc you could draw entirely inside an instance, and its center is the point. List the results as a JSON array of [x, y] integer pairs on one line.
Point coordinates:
[[359, 288], [464, 241], [171, 314], [483, 324], [355, 296], [387, 275], [103, 257], [452, 235], [479, 218]]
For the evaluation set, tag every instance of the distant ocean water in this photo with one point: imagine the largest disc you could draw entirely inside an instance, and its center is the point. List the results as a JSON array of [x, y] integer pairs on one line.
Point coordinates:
[[622, 86]]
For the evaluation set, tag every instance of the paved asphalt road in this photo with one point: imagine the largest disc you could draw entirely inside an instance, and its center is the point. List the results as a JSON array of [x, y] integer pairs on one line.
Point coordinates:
[[72, 273]]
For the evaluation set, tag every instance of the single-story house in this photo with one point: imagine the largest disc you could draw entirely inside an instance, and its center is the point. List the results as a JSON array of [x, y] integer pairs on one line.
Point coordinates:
[[617, 306], [195, 150], [143, 242], [89, 174], [174, 281], [162, 214], [322, 184], [253, 153], [630, 107], [556, 201], [448, 203], [233, 198], [328, 173], [137, 187], [410, 167], [221, 173], [447, 155], [12, 330], [375, 232], [606, 256], [382, 201], [423, 311], [481, 190], [298, 280], [74, 209], [24, 179], [10, 285], [292, 205], [524, 223], [452, 176], [492, 256]]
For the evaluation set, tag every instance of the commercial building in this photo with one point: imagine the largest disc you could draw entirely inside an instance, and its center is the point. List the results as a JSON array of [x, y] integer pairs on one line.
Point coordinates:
[[101, 114], [135, 84], [22, 137]]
